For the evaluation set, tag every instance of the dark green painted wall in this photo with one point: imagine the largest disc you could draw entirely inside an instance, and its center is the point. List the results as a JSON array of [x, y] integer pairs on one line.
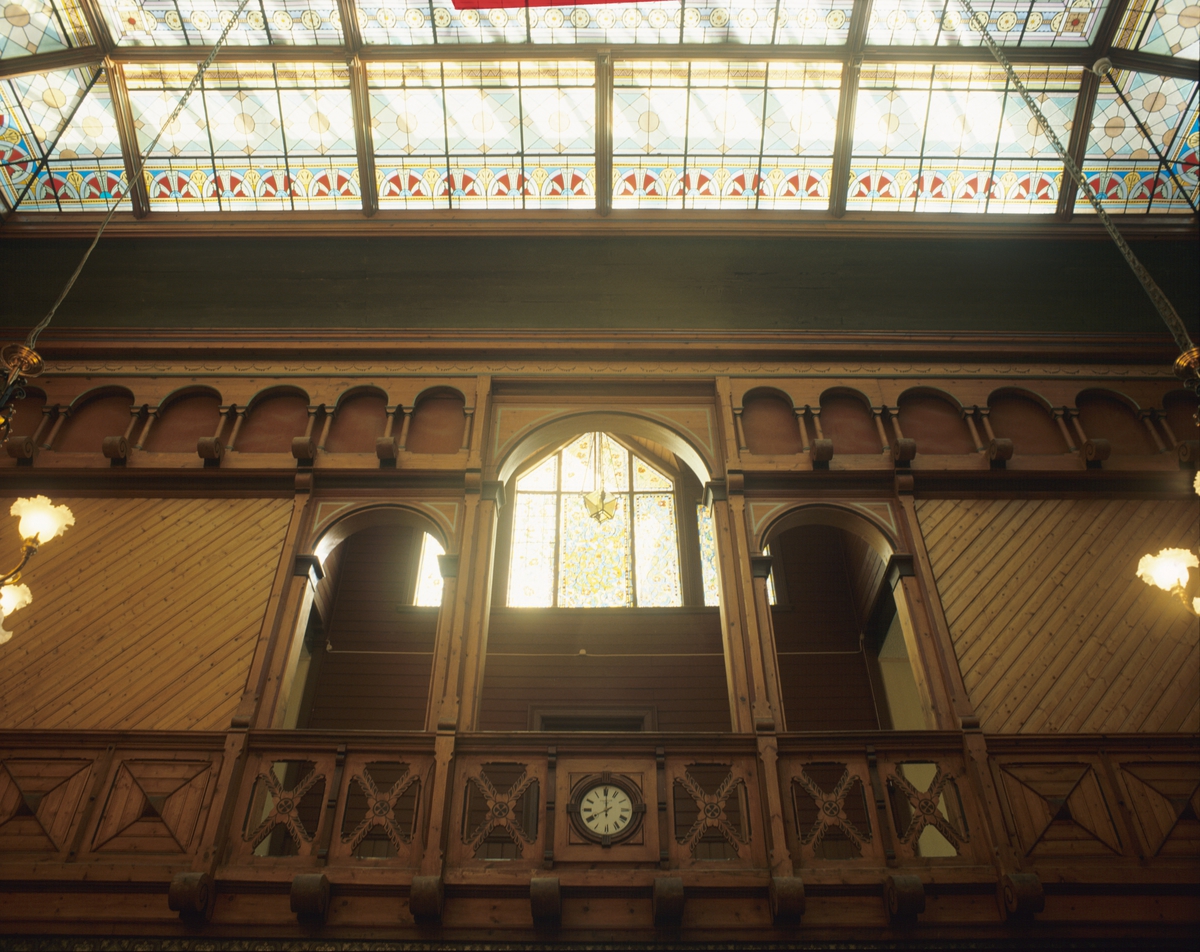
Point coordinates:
[[824, 284]]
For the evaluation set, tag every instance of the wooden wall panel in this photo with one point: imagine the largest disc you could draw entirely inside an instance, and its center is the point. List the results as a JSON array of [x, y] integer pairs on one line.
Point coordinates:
[[145, 614], [1053, 630]]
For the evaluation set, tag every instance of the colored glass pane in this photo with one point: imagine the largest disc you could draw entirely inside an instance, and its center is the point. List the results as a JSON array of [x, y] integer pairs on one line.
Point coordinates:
[[723, 135], [429, 574], [1122, 165], [531, 572], [41, 26], [771, 596], [656, 553], [542, 478], [484, 135], [1165, 27], [593, 557], [1040, 23], [84, 169], [957, 139], [708, 554], [200, 22], [256, 136], [646, 477]]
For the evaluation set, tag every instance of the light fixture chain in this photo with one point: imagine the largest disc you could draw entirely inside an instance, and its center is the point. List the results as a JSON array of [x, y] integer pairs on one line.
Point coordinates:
[[1165, 309], [126, 179]]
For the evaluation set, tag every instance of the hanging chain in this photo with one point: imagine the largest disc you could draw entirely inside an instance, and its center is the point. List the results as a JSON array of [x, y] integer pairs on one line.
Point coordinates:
[[1165, 309], [129, 176]]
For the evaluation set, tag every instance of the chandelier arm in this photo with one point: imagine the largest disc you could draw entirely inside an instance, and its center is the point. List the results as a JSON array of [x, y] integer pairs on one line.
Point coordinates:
[[1161, 302], [29, 549], [125, 179], [1105, 67]]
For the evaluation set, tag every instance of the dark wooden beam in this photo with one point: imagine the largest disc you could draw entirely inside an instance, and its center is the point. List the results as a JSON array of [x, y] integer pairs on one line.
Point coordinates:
[[1081, 127], [351, 34], [604, 134], [843, 146], [231, 54], [1153, 63], [97, 24], [49, 62], [364, 141], [130, 152]]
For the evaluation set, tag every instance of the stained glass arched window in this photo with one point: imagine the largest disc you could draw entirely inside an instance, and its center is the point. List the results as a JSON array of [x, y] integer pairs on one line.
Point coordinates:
[[562, 556]]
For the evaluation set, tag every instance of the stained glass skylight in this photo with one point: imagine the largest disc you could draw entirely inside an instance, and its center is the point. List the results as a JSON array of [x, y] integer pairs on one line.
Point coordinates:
[[1121, 164], [255, 136], [723, 135], [41, 26], [200, 22], [707, 527], [85, 164], [1165, 27], [1019, 23], [484, 135], [958, 139], [561, 556], [418, 22]]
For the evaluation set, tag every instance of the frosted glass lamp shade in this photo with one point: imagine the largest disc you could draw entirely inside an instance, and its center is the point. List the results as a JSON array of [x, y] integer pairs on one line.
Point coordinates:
[[601, 506], [1168, 570], [12, 597], [41, 519]]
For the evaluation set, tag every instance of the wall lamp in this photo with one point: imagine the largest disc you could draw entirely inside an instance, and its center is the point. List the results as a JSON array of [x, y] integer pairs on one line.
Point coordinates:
[[41, 521]]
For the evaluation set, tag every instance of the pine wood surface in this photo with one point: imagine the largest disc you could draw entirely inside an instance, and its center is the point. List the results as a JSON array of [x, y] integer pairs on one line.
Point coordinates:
[[1052, 629], [144, 614]]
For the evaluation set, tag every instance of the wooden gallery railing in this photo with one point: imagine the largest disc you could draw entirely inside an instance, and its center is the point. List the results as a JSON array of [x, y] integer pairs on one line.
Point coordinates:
[[378, 829]]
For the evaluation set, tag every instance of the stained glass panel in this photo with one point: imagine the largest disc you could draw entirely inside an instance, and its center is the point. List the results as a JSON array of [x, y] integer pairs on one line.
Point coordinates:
[[531, 572], [593, 557], [200, 22], [958, 139], [41, 26], [656, 555], [85, 166], [484, 135], [1165, 27], [542, 478], [256, 136], [1024, 23], [1121, 165], [708, 554], [723, 135], [646, 477], [429, 574]]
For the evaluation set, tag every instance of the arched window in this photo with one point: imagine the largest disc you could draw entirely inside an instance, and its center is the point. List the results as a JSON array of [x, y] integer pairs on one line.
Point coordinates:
[[563, 555], [429, 575]]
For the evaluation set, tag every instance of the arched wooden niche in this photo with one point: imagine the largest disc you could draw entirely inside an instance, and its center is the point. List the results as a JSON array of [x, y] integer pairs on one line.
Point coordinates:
[[360, 419], [438, 422], [367, 655], [1180, 407], [183, 421], [273, 420], [846, 419], [843, 655], [1027, 422], [1104, 415], [28, 413], [107, 413], [769, 424], [935, 423]]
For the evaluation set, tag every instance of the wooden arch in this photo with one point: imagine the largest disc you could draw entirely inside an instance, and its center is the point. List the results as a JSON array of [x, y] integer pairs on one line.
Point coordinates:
[[368, 517], [874, 533]]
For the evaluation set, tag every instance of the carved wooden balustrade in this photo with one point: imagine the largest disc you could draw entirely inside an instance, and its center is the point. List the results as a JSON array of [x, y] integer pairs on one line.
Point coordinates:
[[931, 827]]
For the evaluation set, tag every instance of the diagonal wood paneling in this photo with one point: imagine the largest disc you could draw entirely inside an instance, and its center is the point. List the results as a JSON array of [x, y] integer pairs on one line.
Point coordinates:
[[144, 615], [1053, 630]]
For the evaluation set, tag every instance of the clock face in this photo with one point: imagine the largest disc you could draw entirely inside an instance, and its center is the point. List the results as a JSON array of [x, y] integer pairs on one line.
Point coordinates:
[[606, 810]]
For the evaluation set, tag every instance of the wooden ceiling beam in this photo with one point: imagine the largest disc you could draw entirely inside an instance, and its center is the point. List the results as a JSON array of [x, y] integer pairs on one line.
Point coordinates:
[[1153, 63], [1081, 127], [139, 199], [98, 25], [843, 144], [364, 141], [153, 55], [50, 62], [604, 133]]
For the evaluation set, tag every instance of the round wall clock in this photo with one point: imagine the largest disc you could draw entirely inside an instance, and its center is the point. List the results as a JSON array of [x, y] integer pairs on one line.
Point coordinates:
[[606, 809]]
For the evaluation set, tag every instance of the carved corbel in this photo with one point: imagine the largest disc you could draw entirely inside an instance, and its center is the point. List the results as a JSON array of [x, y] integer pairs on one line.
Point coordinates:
[[310, 897], [905, 897], [191, 895], [426, 897], [668, 901], [786, 897], [545, 901], [1021, 895]]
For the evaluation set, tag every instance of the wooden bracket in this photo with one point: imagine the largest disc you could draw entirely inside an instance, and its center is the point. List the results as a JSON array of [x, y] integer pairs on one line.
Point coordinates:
[[899, 566], [904, 450], [668, 902], [545, 901], [191, 895], [426, 897], [904, 895], [309, 565], [822, 451], [115, 448], [1188, 452], [385, 448], [448, 566], [786, 896], [1000, 449], [209, 447], [19, 447], [714, 491], [304, 450], [1021, 895], [1096, 451], [310, 897], [760, 566]]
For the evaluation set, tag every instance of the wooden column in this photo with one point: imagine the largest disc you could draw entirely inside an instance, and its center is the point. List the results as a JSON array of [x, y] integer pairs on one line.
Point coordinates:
[[442, 641]]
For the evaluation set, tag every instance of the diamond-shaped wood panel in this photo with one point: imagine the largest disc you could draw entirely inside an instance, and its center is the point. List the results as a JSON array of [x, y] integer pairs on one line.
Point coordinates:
[[153, 806], [38, 802], [1060, 809], [1164, 798]]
